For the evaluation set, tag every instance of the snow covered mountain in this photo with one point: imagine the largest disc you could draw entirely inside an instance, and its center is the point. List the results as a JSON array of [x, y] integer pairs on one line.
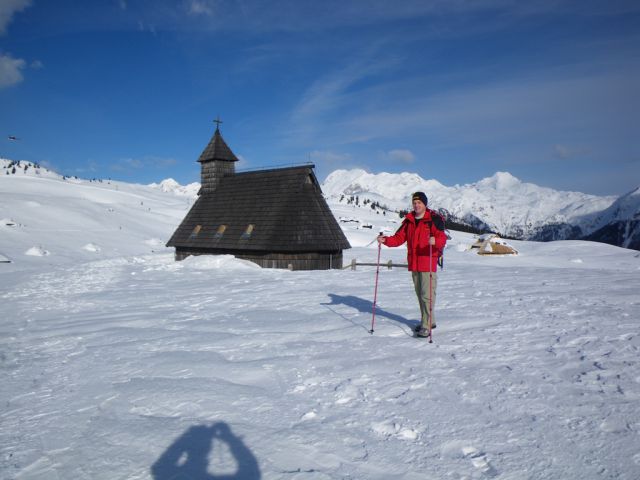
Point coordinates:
[[620, 223], [500, 203], [170, 185]]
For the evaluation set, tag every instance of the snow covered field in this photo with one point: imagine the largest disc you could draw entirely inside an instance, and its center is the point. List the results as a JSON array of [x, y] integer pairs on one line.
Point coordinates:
[[118, 363]]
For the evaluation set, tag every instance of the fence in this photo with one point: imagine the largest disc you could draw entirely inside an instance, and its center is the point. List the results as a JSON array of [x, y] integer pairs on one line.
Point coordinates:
[[354, 263]]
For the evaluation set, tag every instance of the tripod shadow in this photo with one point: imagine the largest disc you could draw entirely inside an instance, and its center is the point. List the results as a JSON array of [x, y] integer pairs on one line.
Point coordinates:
[[365, 306], [188, 457]]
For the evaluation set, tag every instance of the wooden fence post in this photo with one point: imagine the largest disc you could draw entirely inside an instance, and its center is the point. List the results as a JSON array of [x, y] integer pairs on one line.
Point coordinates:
[[353, 264]]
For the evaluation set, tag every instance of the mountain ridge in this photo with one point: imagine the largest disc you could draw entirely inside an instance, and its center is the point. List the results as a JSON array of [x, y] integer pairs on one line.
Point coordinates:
[[502, 203]]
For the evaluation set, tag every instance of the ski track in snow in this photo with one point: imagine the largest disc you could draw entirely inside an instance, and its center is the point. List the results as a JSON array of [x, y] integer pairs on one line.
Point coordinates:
[[533, 372]]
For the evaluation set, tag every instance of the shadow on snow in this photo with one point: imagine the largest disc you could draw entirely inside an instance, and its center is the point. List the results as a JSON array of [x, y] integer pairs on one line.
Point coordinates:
[[188, 457], [365, 306]]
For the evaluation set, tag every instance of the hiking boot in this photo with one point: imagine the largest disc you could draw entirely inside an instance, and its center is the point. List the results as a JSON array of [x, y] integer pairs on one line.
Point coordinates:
[[423, 332], [418, 327]]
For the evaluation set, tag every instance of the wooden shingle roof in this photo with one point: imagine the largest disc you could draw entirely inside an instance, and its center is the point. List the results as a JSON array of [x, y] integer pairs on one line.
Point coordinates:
[[217, 149], [279, 210]]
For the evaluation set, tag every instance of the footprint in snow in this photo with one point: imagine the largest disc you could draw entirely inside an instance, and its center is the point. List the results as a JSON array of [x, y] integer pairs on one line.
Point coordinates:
[[308, 416], [614, 425], [393, 429], [345, 393], [479, 460]]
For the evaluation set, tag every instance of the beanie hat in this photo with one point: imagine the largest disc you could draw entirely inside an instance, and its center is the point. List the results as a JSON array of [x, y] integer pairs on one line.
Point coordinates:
[[420, 196]]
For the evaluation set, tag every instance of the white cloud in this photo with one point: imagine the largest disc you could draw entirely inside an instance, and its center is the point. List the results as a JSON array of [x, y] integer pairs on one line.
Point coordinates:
[[145, 27], [338, 94], [7, 9], [449, 18], [401, 156], [10, 70], [200, 7], [565, 152], [242, 163], [559, 106], [333, 91]]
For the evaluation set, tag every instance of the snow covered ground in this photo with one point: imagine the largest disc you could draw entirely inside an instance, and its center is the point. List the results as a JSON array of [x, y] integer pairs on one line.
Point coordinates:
[[119, 363]]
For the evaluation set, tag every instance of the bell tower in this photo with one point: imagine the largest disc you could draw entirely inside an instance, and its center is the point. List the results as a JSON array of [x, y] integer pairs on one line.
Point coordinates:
[[216, 161]]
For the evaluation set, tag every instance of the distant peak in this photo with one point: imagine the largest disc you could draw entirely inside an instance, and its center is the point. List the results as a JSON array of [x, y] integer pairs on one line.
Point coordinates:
[[169, 182], [500, 181]]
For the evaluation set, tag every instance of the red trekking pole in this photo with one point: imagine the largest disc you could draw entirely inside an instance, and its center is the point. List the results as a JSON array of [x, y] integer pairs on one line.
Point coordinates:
[[375, 292], [430, 292]]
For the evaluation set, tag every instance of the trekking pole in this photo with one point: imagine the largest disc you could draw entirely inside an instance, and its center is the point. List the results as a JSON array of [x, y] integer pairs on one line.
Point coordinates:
[[371, 242], [430, 292], [375, 291]]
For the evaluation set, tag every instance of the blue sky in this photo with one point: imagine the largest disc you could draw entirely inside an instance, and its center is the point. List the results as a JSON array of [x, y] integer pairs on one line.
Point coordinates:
[[452, 90]]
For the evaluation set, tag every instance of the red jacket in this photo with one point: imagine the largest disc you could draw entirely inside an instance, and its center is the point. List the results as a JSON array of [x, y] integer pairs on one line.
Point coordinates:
[[417, 238]]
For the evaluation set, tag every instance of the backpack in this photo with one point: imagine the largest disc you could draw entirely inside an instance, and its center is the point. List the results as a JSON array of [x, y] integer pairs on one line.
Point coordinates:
[[437, 219]]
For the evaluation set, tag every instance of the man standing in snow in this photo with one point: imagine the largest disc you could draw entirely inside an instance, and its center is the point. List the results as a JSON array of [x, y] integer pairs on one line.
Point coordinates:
[[423, 230]]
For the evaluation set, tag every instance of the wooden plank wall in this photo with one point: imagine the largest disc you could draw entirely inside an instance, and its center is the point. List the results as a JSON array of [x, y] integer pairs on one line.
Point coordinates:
[[292, 261]]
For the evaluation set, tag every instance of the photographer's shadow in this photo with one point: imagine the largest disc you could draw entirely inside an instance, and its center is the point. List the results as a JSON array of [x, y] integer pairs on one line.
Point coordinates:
[[188, 457]]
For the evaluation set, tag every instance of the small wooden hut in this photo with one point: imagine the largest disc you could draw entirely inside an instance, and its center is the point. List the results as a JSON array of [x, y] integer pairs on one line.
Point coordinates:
[[276, 218], [492, 244]]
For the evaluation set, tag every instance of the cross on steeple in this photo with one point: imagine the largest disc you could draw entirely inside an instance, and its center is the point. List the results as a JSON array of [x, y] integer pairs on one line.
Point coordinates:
[[217, 121]]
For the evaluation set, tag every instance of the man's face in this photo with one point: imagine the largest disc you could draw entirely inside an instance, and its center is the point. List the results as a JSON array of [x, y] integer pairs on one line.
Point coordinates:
[[419, 208]]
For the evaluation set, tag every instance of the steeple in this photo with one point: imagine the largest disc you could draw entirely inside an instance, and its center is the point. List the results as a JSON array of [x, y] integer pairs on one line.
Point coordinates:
[[217, 160]]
